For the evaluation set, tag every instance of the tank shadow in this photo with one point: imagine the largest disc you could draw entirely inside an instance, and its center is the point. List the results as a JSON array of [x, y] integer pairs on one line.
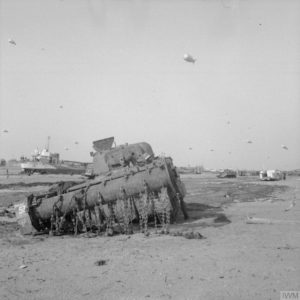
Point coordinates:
[[202, 215]]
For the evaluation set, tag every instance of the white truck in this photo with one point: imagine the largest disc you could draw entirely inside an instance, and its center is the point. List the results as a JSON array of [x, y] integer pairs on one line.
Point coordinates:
[[270, 175]]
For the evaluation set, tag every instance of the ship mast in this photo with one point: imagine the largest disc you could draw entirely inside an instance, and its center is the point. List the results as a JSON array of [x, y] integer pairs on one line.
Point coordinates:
[[48, 144]]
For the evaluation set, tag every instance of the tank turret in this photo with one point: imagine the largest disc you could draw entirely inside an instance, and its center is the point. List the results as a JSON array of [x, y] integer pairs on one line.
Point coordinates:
[[108, 158]]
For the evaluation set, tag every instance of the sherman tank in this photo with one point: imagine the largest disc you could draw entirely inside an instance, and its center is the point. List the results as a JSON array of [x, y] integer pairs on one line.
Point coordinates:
[[125, 184]]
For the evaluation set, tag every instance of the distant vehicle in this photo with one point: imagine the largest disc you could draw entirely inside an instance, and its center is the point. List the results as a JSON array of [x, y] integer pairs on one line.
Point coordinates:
[[187, 170], [270, 175], [198, 170], [227, 173]]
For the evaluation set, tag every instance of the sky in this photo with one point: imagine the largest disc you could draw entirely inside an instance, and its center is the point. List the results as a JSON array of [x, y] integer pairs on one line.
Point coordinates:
[[117, 69]]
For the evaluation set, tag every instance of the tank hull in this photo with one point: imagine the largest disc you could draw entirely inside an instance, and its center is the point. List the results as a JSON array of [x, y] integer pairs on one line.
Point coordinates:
[[146, 190]]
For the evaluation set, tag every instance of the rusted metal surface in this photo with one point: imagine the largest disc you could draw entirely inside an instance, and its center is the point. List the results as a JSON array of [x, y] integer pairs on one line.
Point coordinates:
[[116, 199]]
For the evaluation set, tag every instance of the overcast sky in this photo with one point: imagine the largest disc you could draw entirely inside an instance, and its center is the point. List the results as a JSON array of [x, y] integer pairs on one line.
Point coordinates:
[[117, 69]]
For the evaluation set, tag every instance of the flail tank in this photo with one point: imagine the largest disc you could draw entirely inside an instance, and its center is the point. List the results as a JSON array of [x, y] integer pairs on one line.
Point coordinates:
[[125, 184]]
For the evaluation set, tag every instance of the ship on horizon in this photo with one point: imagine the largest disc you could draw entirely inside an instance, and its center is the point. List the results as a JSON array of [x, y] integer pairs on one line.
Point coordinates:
[[45, 162]]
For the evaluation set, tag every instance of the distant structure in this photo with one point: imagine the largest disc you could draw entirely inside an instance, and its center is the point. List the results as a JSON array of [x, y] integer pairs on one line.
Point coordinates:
[[227, 173], [2, 162], [190, 170], [247, 173], [271, 175]]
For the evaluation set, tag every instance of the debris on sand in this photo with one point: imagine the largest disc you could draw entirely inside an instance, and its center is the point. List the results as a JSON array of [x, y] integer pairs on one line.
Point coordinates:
[[252, 220], [293, 203], [7, 212], [176, 233], [188, 234], [193, 235], [286, 247], [23, 267], [88, 235], [221, 218], [101, 262]]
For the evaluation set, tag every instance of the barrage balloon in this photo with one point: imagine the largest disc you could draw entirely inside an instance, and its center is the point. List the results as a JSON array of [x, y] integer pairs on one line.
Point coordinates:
[[12, 42], [189, 58]]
